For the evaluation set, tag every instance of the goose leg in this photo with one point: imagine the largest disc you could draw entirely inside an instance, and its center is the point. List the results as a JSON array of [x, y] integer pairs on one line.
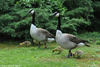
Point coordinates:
[[69, 54], [39, 45]]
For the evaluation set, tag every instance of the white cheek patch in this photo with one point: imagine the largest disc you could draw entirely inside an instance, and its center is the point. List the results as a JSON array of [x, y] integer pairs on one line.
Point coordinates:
[[32, 11], [57, 15]]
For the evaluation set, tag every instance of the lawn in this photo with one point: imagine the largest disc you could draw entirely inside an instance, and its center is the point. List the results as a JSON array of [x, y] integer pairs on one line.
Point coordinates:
[[13, 56]]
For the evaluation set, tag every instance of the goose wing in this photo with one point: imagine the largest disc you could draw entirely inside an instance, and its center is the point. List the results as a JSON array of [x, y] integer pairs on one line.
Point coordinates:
[[75, 39], [46, 33]]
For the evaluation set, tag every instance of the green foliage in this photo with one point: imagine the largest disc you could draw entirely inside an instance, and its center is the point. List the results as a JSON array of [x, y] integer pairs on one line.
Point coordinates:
[[75, 16], [74, 25], [81, 12], [98, 42], [15, 24], [5, 5], [90, 36], [96, 19], [96, 5]]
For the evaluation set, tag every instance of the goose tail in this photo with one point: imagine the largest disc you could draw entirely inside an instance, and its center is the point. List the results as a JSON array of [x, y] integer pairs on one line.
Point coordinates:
[[84, 41], [87, 45]]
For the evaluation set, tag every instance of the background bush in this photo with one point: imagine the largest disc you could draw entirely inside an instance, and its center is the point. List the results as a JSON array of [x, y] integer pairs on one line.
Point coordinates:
[[76, 16]]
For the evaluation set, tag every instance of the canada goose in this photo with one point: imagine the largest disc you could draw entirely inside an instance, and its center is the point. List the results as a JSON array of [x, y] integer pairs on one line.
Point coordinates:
[[78, 54], [25, 43], [67, 41], [58, 49], [39, 34]]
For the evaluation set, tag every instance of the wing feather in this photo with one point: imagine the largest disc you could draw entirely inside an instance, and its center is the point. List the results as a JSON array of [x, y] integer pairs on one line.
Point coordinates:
[[75, 39], [46, 33]]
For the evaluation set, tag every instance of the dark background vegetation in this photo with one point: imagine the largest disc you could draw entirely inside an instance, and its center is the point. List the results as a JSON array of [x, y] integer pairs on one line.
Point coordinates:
[[77, 16]]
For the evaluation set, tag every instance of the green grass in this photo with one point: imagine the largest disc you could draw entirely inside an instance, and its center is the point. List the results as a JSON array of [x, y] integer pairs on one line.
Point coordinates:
[[35, 57], [11, 54]]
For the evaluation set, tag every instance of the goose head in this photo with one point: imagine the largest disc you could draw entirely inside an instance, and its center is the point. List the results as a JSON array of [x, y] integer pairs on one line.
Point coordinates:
[[31, 11], [56, 14]]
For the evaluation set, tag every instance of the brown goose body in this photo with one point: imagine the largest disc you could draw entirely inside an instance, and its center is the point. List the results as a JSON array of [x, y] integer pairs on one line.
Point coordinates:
[[46, 33], [39, 34], [67, 41], [75, 39]]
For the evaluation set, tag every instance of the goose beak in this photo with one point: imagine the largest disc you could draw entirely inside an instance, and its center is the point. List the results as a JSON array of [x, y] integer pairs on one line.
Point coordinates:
[[54, 14], [28, 12]]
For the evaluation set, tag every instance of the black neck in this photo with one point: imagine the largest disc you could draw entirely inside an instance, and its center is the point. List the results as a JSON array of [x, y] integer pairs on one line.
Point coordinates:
[[33, 19], [59, 23]]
